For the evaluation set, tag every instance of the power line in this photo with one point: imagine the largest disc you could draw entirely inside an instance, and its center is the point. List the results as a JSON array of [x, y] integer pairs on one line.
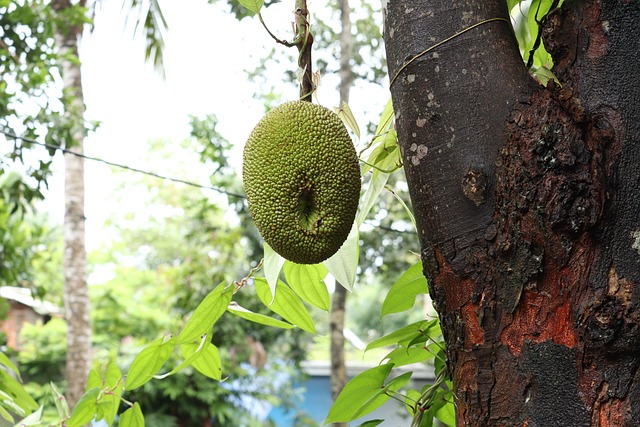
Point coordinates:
[[121, 166]]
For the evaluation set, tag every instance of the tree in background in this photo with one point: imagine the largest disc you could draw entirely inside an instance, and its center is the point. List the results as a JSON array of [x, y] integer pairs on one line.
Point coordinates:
[[27, 64], [71, 20], [76, 292], [527, 204], [338, 374]]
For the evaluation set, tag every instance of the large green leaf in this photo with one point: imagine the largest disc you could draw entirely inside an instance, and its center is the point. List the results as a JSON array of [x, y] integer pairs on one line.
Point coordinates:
[[273, 263], [149, 361], [363, 394], [33, 419], [206, 314], [402, 295], [62, 407], [405, 356], [253, 5], [307, 280], [199, 348], [86, 409], [208, 363], [385, 158], [132, 417], [344, 264], [110, 402], [4, 360], [376, 184], [444, 409], [239, 311], [285, 303], [94, 379], [371, 423], [16, 392], [421, 330], [386, 119], [3, 412], [347, 117]]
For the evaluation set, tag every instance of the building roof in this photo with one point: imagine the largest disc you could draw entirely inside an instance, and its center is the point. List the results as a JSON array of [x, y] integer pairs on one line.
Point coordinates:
[[24, 297]]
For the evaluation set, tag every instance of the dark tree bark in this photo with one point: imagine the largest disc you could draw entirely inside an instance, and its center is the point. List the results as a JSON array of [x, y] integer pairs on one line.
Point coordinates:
[[528, 206]]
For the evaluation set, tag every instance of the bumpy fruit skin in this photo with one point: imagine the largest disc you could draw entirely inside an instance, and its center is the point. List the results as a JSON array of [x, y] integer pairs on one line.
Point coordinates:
[[302, 179]]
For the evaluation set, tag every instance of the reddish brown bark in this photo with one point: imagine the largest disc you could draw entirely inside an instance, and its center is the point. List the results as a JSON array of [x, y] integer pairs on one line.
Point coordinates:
[[527, 206]]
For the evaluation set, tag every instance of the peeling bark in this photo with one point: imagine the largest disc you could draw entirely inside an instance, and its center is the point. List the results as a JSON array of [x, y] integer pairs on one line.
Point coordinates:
[[527, 206]]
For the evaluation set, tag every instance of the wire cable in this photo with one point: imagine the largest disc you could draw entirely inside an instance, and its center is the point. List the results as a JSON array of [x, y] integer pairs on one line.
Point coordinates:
[[121, 166]]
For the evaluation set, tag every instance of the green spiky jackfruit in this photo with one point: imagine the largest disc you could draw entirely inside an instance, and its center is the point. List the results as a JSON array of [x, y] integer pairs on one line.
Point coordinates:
[[302, 179]]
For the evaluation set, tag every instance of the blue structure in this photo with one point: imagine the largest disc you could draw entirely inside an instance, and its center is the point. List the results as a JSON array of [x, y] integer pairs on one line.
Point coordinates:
[[316, 400]]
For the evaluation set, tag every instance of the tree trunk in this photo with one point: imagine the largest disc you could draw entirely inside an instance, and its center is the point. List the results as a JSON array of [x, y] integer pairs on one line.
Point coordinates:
[[339, 299], [527, 205], [338, 374], [76, 293]]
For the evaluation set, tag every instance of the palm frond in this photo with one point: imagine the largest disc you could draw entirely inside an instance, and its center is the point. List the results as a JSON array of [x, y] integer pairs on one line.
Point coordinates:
[[150, 21]]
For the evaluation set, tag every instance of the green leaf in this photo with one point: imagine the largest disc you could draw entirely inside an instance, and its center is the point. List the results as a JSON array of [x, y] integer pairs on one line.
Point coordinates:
[[148, 362], [446, 412], [404, 205], [8, 404], [5, 414], [376, 184], [285, 303], [411, 398], [344, 263], [385, 158], [371, 423], [386, 118], [198, 350], [206, 314], [346, 115], [113, 377], [14, 389], [85, 410], [405, 356], [62, 407], [398, 382], [273, 263], [132, 417], [426, 419], [94, 379], [512, 3], [363, 394], [403, 293], [418, 330], [111, 401], [253, 5], [4, 360], [543, 74], [239, 311], [440, 363], [308, 282], [33, 419], [208, 363]]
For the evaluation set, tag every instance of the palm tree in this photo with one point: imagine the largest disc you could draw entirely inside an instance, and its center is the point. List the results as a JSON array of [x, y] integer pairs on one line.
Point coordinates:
[[68, 32]]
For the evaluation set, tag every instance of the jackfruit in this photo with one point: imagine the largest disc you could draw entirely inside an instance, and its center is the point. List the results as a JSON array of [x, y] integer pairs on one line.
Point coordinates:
[[302, 179]]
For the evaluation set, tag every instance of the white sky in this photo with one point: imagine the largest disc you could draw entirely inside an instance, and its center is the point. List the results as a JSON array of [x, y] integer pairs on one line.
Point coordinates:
[[207, 51]]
